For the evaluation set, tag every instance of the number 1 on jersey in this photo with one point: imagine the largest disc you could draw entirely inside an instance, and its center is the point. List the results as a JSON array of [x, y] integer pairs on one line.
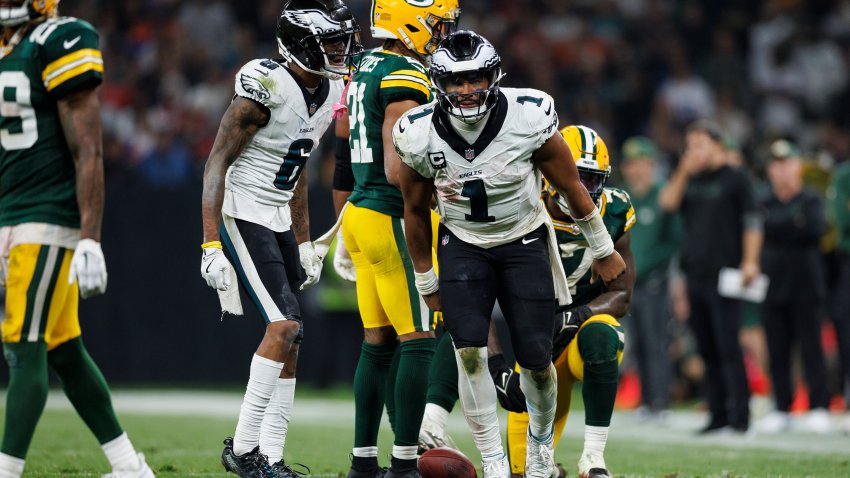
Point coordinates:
[[474, 190]]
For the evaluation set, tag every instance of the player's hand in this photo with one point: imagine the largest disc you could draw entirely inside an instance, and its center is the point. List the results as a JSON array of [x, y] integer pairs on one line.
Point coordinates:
[[311, 263], [608, 268], [507, 384], [567, 324], [215, 268], [433, 301], [88, 268], [749, 271], [343, 264]]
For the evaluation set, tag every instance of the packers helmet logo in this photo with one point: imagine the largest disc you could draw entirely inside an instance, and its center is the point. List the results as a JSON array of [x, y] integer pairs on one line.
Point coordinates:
[[420, 3]]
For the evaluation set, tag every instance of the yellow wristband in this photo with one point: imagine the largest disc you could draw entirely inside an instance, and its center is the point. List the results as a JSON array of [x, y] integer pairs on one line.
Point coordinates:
[[215, 244]]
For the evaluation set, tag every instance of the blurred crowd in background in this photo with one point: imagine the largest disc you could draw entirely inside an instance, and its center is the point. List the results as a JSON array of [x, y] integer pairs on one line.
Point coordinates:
[[763, 70]]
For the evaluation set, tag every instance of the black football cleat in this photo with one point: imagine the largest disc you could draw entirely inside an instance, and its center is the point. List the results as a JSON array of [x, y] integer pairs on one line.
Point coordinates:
[[374, 473], [597, 473], [283, 471], [402, 474], [250, 465]]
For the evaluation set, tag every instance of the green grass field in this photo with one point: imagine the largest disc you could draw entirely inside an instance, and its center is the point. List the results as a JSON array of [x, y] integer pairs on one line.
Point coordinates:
[[181, 432]]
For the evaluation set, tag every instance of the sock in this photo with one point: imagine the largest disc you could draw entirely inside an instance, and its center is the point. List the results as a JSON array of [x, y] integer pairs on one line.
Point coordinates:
[[435, 418], [276, 420], [389, 399], [86, 389], [11, 467], [442, 375], [26, 395], [540, 389], [411, 386], [403, 458], [121, 454], [478, 400], [598, 344], [261, 385], [595, 439], [370, 380]]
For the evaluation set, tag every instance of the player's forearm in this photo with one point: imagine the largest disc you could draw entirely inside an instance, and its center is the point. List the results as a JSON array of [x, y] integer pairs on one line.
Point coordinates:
[[212, 197], [299, 210], [340, 198], [417, 232], [613, 302], [79, 113]]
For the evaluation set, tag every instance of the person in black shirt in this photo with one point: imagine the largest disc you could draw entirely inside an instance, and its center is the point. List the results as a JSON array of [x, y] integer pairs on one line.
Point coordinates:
[[791, 313], [722, 228]]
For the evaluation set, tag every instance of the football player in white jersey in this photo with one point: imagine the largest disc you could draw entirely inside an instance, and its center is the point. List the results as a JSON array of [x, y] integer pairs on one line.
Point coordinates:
[[255, 211], [481, 150]]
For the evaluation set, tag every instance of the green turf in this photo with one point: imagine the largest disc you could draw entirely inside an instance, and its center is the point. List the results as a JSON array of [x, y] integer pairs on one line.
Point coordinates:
[[190, 446]]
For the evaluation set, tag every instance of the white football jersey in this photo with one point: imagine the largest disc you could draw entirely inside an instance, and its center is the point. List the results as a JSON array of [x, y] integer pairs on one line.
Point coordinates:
[[488, 192], [261, 181]]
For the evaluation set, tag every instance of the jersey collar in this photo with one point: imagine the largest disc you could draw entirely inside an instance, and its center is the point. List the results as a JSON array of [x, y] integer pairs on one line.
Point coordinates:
[[313, 101], [459, 145]]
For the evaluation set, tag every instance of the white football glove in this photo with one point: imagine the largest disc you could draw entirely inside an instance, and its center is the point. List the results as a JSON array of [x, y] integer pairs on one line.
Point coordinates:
[[88, 268], [215, 268], [343, 265], [311, 262]]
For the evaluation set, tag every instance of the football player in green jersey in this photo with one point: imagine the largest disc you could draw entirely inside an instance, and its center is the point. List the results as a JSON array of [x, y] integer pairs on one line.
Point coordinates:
[[588, 340], [51, 204], [389, 81]]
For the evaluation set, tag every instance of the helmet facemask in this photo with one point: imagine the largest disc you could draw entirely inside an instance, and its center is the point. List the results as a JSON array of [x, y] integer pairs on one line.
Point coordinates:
[[317, 43], [17, 13], [466, 58], [593, 181]]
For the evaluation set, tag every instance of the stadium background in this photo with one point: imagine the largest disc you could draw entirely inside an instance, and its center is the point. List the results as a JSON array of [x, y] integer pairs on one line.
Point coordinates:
[[762, 69]]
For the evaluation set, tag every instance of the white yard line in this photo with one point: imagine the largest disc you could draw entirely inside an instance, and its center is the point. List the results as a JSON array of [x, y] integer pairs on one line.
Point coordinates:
[[679, 428]]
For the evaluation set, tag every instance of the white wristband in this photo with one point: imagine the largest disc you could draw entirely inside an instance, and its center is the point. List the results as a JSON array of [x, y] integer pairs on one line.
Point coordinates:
[[593, 228], [426, 282]]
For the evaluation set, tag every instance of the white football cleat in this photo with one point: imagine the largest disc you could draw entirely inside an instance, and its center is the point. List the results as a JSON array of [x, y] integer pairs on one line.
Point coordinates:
[[773, 422], [430, 439], [540, 458], [592, 465], [498, 468], [816, 421], [143, 471]]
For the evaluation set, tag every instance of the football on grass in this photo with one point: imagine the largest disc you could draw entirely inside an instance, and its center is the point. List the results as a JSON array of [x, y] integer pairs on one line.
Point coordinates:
[[445, 463]]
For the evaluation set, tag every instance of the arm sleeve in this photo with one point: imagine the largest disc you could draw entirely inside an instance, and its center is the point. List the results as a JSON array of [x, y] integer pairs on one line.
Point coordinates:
[[343, 175], [72, 59]]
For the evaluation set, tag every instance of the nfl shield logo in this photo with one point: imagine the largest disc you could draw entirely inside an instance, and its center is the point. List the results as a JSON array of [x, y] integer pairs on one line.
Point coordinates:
[[312, 109], [445, 239], [470, 154]]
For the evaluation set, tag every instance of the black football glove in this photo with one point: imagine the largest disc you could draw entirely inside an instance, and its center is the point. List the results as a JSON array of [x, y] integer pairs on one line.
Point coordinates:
[[507, 384], [567, 323]]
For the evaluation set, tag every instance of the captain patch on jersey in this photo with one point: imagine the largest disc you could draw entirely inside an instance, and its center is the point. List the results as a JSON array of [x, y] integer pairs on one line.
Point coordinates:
[[488, 189]]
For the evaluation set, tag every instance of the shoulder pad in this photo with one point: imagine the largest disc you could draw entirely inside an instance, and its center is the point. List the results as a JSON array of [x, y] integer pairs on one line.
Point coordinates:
[[411, 138], [60, 29], [260, 80], [535, 110]]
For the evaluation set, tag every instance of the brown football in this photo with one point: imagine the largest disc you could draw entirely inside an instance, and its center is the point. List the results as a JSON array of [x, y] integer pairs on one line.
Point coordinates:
[[445, 463]]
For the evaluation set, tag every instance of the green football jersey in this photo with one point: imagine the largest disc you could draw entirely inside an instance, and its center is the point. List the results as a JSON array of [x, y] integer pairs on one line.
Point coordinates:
[[618, 214], [382, 78], [37, 174]]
